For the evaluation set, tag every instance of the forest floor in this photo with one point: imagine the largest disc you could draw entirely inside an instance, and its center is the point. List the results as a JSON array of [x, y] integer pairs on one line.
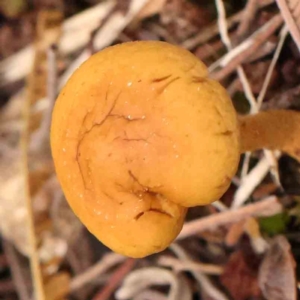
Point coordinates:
[[246, 246]]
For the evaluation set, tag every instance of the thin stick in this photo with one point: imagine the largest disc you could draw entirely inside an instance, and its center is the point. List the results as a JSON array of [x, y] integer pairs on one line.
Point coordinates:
[[240, 70], [283, 34], [267, 207], [251, 44], [212, 30], [222, 24], [245, 82], [250, 182], [115, 279], [231, 55], [268, 154], [219, 205], [248, 16], [40, 139], [179, 266], [226, 40], [245, 166], [34, 258], [206, 285], [209, 32], [96, 270]]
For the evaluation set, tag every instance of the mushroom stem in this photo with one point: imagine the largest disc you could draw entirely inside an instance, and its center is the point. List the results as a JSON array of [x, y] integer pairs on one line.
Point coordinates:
[[276, 129]]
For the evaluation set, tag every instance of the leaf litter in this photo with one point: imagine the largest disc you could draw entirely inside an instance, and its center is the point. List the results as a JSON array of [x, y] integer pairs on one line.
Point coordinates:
[[229, 250]]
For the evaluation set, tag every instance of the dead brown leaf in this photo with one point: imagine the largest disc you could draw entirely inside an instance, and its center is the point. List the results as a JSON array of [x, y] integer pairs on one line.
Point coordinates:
[[240, 278], [277, 271], [290, 10]]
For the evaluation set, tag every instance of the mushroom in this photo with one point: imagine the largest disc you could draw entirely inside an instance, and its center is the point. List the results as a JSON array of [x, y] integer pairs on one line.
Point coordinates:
[[139, 134], [274, 129]]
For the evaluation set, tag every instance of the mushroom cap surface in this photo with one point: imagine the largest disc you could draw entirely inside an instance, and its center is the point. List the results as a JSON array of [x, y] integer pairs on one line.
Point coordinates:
[[139, 133]]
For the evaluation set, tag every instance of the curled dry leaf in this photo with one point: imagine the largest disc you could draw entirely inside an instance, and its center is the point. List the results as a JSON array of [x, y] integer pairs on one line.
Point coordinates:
[[290, 10], [141, 279], [277, 272]]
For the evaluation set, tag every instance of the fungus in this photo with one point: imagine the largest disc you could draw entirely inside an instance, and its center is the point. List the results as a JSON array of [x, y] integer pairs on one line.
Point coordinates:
[[139, 134], [274, 129]]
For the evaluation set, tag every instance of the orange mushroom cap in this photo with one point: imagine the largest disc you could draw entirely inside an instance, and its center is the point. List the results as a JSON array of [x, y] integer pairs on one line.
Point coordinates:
[[140, 133]]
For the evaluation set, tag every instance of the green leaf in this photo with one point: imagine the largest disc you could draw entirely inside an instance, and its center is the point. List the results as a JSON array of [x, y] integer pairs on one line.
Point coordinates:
[[275, 224]]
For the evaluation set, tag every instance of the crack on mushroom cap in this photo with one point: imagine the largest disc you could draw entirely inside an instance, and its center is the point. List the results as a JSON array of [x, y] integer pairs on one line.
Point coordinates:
[[165, 86], [141, 194], [107, 115], [160, 79], [198, 79], [143, 191], [155, 210], [110, 114], [226, 133], [127, 118]]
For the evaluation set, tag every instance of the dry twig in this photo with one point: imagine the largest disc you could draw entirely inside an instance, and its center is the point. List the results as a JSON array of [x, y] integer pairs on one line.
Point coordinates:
[[267, 207], [115, 280], [95, 271], [290, 10], [248, 16], [203, 280], [226, 40], [180, 266], [261, 96], [229, 62], [40, 139]]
